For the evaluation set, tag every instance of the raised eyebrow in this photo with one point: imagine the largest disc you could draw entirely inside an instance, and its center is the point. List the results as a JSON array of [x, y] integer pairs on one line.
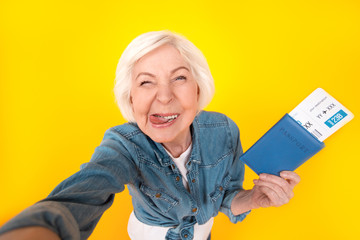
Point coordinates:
[[152, 75], [178, 68], [145, 73]]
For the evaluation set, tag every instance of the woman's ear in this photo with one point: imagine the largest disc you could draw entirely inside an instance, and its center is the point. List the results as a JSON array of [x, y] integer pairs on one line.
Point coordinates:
[[198, 92]]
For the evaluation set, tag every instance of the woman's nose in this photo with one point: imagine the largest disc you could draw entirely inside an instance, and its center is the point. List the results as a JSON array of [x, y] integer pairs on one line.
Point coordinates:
[[164, 94]]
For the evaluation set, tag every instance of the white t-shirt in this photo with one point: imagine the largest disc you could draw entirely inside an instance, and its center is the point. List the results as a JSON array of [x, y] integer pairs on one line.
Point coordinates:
[[140, 231]]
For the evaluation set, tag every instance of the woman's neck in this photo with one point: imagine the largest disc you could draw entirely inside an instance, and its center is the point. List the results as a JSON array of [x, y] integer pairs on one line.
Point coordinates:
[[177, 148]]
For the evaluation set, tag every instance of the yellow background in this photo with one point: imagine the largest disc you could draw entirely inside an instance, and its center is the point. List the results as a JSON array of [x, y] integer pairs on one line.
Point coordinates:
[[57, 67]]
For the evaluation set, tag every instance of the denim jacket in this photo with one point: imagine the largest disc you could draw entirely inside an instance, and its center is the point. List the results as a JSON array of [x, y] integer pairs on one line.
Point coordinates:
[[127, 156]]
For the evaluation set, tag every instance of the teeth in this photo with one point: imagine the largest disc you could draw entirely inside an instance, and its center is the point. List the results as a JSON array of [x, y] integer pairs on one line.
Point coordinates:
[[171, 117]]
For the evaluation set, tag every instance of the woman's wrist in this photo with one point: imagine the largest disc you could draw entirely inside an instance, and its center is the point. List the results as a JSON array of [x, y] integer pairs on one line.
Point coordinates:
[[242, 202], [30, 233]]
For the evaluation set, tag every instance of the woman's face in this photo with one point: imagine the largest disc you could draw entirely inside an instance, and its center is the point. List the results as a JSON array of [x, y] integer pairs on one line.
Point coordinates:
[[164, 95]]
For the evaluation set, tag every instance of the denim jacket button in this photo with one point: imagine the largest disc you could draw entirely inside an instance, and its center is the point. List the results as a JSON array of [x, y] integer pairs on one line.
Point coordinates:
[[177, 178], [221, 188], [185, 236], [193, 180], [158, 195], [194, 210]]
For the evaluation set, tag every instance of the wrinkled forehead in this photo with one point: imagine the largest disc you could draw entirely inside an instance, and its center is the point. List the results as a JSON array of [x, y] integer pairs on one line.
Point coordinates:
[[164, 58]]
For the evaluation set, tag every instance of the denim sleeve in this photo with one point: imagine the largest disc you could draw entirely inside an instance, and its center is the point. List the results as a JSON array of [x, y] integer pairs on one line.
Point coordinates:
[[237, 176], [75, 206]]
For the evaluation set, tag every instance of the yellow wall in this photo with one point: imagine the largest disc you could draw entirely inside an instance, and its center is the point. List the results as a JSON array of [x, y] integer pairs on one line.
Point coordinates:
[[57, 65]]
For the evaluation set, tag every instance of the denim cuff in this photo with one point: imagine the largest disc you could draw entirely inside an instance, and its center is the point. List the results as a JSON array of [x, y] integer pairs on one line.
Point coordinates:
[[48, 214], [226, 208]]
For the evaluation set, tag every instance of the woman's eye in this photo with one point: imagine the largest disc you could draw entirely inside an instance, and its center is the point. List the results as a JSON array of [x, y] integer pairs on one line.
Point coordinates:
[[180, 78], [144, 83]]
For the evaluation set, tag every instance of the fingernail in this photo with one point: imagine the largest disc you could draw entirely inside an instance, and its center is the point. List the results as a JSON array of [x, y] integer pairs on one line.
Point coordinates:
[[283, 174]]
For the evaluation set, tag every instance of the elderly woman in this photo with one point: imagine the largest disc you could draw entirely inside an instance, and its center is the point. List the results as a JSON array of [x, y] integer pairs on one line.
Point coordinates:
[[181, 164]]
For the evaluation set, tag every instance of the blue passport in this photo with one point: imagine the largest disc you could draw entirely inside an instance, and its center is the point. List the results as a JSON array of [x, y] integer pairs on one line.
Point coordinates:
[[285, 146]]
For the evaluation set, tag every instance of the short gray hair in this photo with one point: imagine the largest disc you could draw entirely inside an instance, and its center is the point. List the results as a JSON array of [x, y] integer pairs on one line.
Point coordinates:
[[144, 44]]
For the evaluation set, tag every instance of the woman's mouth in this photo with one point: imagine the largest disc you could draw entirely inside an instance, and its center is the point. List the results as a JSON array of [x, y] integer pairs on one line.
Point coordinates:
[[163, 119]]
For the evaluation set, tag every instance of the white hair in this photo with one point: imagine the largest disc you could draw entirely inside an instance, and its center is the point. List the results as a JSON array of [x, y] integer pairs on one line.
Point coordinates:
[[144, 44]]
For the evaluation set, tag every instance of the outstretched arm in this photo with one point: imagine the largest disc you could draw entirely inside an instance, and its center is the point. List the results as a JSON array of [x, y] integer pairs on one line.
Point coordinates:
[[75, 206]]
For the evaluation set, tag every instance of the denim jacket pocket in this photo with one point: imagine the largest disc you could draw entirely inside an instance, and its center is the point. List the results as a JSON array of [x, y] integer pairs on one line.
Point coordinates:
[[159, 198], [220, 189]]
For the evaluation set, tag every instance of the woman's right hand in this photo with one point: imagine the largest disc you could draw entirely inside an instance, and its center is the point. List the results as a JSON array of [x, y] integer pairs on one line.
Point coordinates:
[[30, 233]]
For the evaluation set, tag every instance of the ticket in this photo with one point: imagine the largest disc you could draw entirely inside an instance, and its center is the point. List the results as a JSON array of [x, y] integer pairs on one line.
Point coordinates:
[[321, 114]]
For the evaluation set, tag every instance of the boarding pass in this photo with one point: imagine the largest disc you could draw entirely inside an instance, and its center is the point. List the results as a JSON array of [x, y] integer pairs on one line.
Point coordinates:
[[321, 115]]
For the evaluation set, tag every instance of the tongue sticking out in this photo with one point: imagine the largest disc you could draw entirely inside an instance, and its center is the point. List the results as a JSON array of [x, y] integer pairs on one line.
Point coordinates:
[[158, 119]]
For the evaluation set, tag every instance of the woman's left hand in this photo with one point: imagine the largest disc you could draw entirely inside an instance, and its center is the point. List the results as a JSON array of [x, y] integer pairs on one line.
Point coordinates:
[[271, 190]]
